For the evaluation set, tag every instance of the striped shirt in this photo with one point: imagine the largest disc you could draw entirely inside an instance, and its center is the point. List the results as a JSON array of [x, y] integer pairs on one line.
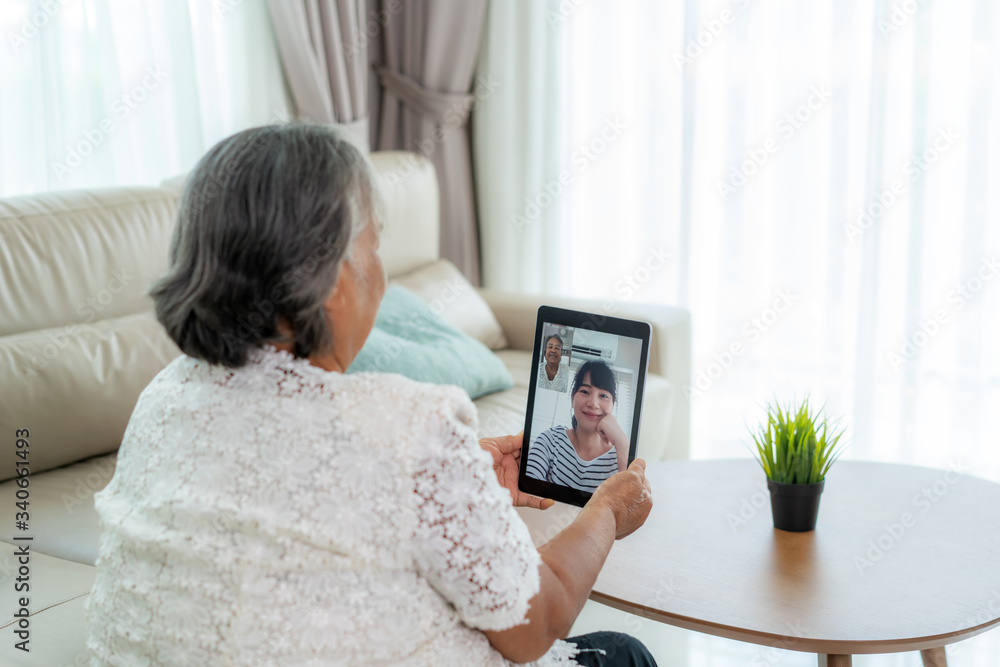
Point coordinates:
[[552, 458]]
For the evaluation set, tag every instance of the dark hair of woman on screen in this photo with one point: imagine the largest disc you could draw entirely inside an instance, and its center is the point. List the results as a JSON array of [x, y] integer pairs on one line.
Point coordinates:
[[595, 447]]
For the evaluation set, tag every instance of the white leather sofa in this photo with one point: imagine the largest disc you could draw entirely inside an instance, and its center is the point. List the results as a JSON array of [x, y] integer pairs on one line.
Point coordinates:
[[78, 342]]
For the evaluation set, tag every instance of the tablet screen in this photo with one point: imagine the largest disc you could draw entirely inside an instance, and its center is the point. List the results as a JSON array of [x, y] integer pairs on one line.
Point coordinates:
[[584, 402]]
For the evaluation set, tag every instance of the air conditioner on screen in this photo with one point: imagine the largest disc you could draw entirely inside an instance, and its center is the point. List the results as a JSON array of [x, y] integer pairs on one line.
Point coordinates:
[[584, 353]]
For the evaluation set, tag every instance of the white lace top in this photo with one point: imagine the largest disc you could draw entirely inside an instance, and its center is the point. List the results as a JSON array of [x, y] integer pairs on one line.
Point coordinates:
[[280, 514], [559, 383]]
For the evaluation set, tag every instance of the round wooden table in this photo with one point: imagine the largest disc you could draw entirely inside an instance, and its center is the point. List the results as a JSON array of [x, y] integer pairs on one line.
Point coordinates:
[[902, 559]]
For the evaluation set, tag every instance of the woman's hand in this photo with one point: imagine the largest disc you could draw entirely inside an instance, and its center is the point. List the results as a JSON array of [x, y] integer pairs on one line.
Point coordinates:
[[571, 561], [506, 453], [611, 432], [628, 496]]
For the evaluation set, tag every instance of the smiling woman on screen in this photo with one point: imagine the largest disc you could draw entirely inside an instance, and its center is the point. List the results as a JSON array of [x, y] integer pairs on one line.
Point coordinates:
[[269, 509], [595, 448]]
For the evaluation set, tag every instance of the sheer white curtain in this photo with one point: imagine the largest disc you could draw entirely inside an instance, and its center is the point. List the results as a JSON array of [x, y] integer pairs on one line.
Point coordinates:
[[115, 92], [815, 182]]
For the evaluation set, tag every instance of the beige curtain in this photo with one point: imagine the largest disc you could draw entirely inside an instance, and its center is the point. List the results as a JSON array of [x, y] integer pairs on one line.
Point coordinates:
[[324, 54], [429, 54]]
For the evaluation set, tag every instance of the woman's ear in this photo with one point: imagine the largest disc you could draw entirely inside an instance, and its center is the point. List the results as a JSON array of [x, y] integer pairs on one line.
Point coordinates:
[[336, 301]]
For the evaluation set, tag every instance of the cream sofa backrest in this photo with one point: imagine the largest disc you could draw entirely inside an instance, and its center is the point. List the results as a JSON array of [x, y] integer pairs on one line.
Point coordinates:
[[78, 339], [411, 238]]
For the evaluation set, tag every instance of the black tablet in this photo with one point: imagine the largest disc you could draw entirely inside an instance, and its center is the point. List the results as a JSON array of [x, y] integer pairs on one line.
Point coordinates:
[[584, 402]]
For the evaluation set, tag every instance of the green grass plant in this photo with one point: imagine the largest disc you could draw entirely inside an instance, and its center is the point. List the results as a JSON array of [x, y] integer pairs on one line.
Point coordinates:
[[796, 446]]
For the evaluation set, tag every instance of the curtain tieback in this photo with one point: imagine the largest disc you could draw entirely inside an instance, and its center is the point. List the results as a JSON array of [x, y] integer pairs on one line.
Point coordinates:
[[440, 108]]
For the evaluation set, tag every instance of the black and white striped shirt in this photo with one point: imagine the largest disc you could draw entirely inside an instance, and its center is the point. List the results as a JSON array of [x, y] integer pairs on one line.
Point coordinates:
[[552, 458]]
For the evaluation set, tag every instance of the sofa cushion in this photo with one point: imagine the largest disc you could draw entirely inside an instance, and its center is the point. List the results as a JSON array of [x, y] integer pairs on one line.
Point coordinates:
[[63, 522], [74, 386], [59, 590], [410, 339], [451, 295]]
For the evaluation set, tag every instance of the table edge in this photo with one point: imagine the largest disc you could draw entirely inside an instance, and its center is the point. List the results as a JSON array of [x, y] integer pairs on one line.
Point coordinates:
[[801, 644]]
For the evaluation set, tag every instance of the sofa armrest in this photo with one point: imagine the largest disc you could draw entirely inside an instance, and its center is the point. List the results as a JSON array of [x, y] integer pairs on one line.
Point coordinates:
[[670, 345]]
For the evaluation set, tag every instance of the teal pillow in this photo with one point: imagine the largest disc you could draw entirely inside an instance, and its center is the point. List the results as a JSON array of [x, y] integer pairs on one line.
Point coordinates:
[[410, 339]]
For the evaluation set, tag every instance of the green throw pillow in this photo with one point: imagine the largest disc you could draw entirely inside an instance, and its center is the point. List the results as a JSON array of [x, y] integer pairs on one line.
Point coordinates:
[[410, 339]]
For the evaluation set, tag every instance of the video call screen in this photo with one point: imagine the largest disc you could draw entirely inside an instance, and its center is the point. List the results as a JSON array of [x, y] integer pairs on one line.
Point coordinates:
[[585, 387]]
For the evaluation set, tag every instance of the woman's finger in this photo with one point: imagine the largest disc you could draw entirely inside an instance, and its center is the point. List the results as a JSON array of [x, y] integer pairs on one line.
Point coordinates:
[[536, 502]]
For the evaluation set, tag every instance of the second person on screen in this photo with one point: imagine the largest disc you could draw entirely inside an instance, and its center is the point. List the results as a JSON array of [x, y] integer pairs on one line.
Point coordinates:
[[595, 447]]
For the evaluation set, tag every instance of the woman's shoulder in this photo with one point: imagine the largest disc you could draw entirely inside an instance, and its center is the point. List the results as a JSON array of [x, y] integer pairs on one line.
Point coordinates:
[[554, 435], [181, 370]]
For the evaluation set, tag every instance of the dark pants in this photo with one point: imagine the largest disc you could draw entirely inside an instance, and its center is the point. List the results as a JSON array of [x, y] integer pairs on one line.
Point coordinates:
[[620, 650]]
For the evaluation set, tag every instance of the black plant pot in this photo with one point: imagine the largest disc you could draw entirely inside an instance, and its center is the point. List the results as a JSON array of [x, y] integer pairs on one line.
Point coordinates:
[[795, 507]]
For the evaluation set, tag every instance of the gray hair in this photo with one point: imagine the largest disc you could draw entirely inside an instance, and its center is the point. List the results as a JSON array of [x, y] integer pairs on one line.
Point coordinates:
[[266, 219]]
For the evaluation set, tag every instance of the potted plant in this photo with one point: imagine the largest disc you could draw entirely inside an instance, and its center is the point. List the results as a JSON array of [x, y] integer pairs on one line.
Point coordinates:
[[796, 449]]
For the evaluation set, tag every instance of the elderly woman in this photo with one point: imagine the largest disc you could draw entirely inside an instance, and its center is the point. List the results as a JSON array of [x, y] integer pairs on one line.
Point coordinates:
[[553, 374], [268, 509], [596, 447]]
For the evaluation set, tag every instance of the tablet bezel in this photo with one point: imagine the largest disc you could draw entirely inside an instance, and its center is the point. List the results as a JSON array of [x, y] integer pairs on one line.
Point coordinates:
[[595, 322]]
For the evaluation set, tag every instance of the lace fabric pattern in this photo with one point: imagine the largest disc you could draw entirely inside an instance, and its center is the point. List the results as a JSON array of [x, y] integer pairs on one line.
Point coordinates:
[[280, 514]]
